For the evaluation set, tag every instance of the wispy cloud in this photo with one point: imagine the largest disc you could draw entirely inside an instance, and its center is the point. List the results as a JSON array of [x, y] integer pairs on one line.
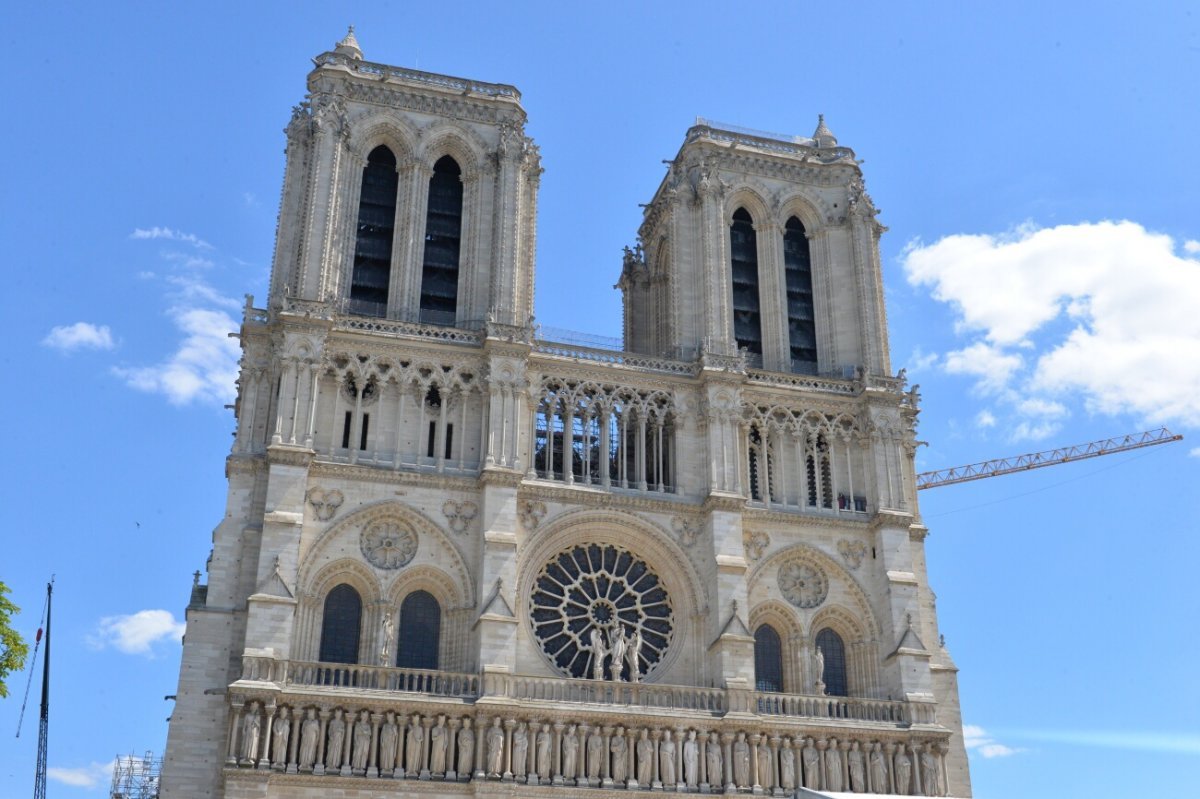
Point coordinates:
[[79, 336], [977, 739], [170, 234], [203, 366], [1099, 315], [88, 776], [136, 633]]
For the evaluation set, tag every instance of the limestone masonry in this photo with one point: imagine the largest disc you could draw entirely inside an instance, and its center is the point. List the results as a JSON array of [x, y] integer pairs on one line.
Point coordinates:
[[459, 557]]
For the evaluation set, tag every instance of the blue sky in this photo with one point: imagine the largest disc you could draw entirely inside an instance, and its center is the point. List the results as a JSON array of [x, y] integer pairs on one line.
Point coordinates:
[[1036, 164]]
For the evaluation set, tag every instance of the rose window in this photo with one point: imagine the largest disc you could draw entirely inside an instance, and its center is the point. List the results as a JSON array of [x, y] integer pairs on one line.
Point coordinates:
[[598, 608], [388, 544], [803, 585]]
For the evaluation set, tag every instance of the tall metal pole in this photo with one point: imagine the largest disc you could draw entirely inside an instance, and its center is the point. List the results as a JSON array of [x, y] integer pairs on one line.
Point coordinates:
[[39, 785]]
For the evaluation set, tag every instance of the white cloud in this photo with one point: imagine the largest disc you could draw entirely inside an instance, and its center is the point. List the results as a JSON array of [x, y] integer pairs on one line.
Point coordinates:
[[170, 235], [79, 336], [188, 260], [1171, 742], [1195, 452], [976, 739], [203, 367], [1101, 315], [1192, 247], [192, 290], [920, 360], [985, 418], [136, 633], [88, 776]]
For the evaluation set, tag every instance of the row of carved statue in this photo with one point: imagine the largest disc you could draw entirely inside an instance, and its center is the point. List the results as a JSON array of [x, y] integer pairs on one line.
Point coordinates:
[[366, 743]]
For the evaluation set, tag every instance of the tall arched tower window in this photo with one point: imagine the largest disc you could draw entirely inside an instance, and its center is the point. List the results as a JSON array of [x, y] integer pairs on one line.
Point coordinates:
[[373, 243], [443, 234], [340, 626], [747, 318], [797, 266], [834, 650], [768, 659], [420, 631]]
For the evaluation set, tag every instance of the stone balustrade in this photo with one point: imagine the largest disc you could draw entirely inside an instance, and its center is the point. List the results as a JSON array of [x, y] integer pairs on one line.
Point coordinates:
[[360, 677]]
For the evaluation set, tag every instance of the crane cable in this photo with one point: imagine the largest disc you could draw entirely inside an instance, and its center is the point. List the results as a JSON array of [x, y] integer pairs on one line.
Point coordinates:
[[37, 642]]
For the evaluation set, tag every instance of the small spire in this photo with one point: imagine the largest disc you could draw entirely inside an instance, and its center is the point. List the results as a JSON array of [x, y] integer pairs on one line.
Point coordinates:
[[823, 136], [349, 46]]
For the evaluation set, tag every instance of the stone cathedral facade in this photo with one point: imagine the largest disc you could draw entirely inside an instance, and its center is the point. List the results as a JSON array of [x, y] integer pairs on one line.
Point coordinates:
[[460, 558]]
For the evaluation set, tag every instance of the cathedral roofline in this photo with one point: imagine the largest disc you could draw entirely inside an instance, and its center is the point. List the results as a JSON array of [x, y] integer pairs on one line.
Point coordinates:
[[342, 60]]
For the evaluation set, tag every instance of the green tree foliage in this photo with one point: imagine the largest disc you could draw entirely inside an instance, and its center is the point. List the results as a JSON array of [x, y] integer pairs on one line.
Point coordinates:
[[13, 648]]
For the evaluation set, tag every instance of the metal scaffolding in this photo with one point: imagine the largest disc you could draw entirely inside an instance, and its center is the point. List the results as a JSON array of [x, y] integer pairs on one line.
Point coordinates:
[[136, 777]]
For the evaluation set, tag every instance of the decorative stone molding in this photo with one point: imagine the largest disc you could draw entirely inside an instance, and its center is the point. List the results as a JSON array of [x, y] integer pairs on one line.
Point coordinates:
[[325, 502], [803, 584], [756, 544], [532, 513], [459, 515], [686, 530], [852, 552], [388, 543]]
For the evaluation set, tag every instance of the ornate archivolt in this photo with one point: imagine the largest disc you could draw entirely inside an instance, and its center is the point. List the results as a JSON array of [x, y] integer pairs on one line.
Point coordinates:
[[643, 542], [370, 130], [769, 579]]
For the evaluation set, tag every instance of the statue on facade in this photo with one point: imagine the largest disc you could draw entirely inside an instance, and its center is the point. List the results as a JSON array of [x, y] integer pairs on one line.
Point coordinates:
[[414, 741], [389, 628], [903, 772], [879, 770], [595, 752], [599, 653], [858, 771], [466, 748], [930, 772], [666, 759], [388, 736], [495, 749], [691, 760], [787, 769], [833, 767], [619, 748], [766, 774], [544, 747], [251, 730], [570, 753], [310, 730], [741, 761], [634, 655], [337, 736], [819, 670], [645, 759], [520, 750], [279, 738], [712, 757], [438, 738], [811, 760], [620, 645], [362, 743]]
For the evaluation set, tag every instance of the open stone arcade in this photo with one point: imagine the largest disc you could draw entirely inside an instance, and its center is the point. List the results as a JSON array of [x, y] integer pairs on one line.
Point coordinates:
[[460, 557]]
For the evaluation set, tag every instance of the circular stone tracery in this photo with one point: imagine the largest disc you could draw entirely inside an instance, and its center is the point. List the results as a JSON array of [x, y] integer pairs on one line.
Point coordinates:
[[804, 585], [388, 544], [599, 587]]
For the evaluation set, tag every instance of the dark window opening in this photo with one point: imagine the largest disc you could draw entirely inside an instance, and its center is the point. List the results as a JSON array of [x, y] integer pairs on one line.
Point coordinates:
[[802, 331], [420, 631], [340, 625], [432, 439], [376, 226], [743, 249], [768, 659], [346, 430], [443, 234], [449, 441], [362, 438], [834, 650]]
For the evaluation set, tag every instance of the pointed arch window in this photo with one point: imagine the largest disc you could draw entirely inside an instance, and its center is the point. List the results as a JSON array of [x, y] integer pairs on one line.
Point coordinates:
[[443, 236], [341, 625], [747, 317], [797, 267], [420, 631], [372, 271], [768, 659], [834, 650]]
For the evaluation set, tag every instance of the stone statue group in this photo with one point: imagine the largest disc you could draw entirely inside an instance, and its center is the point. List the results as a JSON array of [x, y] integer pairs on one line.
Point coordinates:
[[400, 746], [620, 650]]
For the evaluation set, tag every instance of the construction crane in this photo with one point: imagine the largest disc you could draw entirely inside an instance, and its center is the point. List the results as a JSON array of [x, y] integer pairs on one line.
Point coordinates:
[[39, 784], [1050, 457]]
